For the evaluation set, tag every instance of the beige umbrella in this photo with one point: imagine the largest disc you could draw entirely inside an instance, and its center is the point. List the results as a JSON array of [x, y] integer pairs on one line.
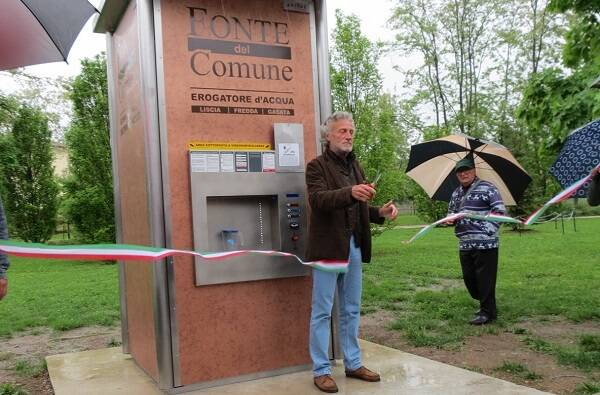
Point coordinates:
[[431, 165]]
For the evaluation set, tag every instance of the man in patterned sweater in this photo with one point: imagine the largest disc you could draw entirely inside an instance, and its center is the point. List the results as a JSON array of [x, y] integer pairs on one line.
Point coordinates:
[[478, 240]]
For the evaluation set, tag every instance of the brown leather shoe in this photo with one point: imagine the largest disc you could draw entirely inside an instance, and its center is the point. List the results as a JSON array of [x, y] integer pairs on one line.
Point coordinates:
[[363, 373], [326, 384]]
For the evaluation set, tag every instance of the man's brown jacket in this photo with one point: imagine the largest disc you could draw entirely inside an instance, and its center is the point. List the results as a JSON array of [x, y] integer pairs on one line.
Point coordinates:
[[329, 185]]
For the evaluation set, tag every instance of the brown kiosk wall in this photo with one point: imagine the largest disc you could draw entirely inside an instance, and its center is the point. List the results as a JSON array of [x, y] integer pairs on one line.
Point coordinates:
[[212, 71]]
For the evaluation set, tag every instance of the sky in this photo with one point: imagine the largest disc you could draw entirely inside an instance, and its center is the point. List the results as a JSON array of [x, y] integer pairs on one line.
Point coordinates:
[[373, 14]]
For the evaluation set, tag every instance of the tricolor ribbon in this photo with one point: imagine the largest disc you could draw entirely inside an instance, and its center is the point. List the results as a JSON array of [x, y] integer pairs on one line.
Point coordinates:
[[128, 252], [454, 217], [561, 196]]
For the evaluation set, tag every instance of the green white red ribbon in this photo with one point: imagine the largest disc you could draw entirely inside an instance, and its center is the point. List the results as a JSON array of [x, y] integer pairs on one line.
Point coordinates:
[[559, 197], [454, 217], [128, 252]]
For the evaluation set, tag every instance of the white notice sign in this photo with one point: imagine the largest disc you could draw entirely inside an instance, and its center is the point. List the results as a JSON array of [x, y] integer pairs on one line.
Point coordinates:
[[268, 161], [198, 162], [212, 162], [289, 154], [227, 162]]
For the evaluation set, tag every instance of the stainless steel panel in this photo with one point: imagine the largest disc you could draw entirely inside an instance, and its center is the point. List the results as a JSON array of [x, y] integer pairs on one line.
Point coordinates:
[[148, 80], [111, 12], [252, 217], [112, 114], [166, 209], [239, 379], [323, 59], [232, 189]]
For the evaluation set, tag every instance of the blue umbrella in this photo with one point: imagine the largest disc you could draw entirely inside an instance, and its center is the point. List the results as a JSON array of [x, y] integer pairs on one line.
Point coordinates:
[[579, 155]]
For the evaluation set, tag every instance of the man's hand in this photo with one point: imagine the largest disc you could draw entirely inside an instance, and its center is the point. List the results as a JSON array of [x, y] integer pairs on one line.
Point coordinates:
[[3, 287], [388, 210], [363, 192], [595, 171]]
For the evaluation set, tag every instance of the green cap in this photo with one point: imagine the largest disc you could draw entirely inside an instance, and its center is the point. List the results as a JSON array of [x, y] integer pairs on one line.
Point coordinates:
[[464, 164]]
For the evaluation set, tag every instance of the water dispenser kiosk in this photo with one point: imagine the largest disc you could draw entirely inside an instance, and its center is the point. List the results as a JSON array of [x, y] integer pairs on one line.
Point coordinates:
[[215, 107]]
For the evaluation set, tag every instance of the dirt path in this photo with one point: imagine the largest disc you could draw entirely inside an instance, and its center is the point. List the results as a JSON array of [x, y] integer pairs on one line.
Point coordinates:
[[27, 350], [487, 352], [482, 354]]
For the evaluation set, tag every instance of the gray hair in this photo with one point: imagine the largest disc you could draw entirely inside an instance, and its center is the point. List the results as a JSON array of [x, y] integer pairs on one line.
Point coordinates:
[[336, 116]]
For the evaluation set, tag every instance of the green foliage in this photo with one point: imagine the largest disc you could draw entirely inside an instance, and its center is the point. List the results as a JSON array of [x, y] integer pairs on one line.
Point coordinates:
[[74, 294], [585, 356], [553, 105], [8, 110], [30, 190], [518, 369], [538, 345], [10, 389], [475, 56], [421, 283], [355, 80], [587, 389], [27, 368], [427, 209], [582, 40], [380, 144], [555, 102], [383, 151], [89, 192]]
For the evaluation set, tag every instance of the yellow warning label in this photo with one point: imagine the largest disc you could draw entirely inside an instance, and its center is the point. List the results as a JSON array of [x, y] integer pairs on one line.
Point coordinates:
[[212, 146]]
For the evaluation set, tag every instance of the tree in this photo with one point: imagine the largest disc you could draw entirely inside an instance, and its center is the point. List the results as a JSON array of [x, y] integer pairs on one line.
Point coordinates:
[[89, 186], [582, 44], [356, 86], [43, 92], [556, 102], [355, 80], [475, 55], [387, 152], [9, 108], [455, 40], [28, 181]]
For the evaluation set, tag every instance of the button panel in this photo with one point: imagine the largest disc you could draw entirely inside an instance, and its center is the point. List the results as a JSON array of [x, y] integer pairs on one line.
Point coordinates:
[[293, 210]]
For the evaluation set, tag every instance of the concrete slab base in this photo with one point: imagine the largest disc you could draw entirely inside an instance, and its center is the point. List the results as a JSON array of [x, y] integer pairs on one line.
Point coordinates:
[[109, 371]]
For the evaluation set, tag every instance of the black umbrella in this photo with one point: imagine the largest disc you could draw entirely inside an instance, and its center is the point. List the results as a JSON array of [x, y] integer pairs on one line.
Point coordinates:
[[579, 155], [431, 165], [39, 31]]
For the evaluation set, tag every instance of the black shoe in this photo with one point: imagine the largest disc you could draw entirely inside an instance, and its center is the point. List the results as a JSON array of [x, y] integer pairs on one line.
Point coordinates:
[[481, 319], [492, 316]]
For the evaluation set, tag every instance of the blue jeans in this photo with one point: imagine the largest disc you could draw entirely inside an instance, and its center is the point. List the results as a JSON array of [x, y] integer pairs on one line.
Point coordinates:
[[349, 287]]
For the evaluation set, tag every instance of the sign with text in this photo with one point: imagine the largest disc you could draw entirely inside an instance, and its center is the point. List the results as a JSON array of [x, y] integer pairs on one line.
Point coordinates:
[[229, 52]]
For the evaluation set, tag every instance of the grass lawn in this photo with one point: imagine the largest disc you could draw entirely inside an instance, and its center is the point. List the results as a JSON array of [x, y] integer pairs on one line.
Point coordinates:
[[408, 219], [542, 273], [59, 294]]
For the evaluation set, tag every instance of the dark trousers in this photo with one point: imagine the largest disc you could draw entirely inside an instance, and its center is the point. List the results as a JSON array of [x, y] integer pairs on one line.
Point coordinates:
[[480, 268]]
